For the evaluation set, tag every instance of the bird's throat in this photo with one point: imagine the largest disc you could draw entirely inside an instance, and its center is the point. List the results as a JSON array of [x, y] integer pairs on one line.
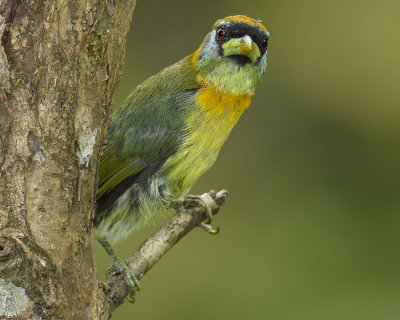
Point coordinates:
[[227, 74]]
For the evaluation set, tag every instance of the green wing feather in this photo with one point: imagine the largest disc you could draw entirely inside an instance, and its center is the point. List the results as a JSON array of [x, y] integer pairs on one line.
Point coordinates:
[[147, 129]]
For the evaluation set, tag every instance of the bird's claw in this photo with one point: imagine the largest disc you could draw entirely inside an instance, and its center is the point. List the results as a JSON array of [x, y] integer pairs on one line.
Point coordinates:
[[198, 200], [131, 280], [207, 227]]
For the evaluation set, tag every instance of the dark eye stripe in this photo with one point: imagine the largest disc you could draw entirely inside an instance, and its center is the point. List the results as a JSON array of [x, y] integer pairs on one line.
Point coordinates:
[[239, 30]]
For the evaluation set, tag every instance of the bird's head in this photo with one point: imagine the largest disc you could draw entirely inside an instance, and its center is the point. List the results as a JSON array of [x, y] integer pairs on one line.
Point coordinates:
[[233, 56]]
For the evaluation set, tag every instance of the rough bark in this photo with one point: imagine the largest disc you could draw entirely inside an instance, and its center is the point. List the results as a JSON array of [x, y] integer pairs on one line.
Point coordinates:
[[60, 62]]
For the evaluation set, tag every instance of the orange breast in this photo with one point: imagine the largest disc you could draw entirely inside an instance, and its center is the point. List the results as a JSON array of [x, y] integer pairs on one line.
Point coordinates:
[[219, 103]]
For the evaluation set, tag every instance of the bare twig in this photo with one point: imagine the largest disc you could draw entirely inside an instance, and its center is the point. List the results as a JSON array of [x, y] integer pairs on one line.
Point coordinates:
[[161, 242]]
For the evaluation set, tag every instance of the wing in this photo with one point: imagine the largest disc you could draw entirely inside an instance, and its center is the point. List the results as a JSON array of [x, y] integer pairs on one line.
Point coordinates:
[[145, 131]]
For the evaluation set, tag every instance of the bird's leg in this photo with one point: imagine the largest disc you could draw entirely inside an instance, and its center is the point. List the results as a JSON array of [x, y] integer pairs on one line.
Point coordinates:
[[198, 200], [119, 266]]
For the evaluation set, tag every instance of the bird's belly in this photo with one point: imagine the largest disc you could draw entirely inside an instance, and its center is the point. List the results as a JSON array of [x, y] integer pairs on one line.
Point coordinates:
[[192, 165]]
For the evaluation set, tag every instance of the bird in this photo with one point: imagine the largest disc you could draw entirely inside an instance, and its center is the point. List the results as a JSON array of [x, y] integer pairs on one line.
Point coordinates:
[[171, 128]]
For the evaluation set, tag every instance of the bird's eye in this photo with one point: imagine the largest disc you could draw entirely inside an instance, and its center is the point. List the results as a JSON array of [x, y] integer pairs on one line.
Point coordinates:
[[221, 33], [264, 44]]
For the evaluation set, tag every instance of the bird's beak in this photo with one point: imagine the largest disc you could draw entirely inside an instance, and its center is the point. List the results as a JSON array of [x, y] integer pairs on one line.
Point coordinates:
[[244, 46]]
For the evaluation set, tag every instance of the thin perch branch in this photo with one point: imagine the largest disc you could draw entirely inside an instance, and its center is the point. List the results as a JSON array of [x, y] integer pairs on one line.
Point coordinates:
[[161, 242]]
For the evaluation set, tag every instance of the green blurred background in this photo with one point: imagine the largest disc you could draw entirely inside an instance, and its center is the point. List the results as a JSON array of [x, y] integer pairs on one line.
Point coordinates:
[[311, 227]]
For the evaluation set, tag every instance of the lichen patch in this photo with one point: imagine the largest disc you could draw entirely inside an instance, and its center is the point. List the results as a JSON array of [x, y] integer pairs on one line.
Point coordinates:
[[87, 139], [13, 299]]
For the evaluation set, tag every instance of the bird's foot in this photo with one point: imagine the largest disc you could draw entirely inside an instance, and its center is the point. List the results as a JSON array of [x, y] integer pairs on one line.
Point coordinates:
[[205, 225], [119, 267], [200, 200]]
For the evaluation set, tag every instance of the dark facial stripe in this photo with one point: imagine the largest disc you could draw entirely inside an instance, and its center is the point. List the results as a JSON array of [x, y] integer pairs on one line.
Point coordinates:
[[239, 30]]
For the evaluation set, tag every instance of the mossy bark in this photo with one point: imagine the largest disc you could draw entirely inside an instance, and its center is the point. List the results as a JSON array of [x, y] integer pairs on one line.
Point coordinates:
[[60, 62]]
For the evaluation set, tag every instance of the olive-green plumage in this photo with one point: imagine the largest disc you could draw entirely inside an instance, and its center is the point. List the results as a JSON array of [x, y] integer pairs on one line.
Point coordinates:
[[171, 128]]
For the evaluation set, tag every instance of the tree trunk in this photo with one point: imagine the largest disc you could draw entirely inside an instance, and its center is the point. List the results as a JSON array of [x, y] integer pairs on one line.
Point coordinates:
[[60, 62]]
